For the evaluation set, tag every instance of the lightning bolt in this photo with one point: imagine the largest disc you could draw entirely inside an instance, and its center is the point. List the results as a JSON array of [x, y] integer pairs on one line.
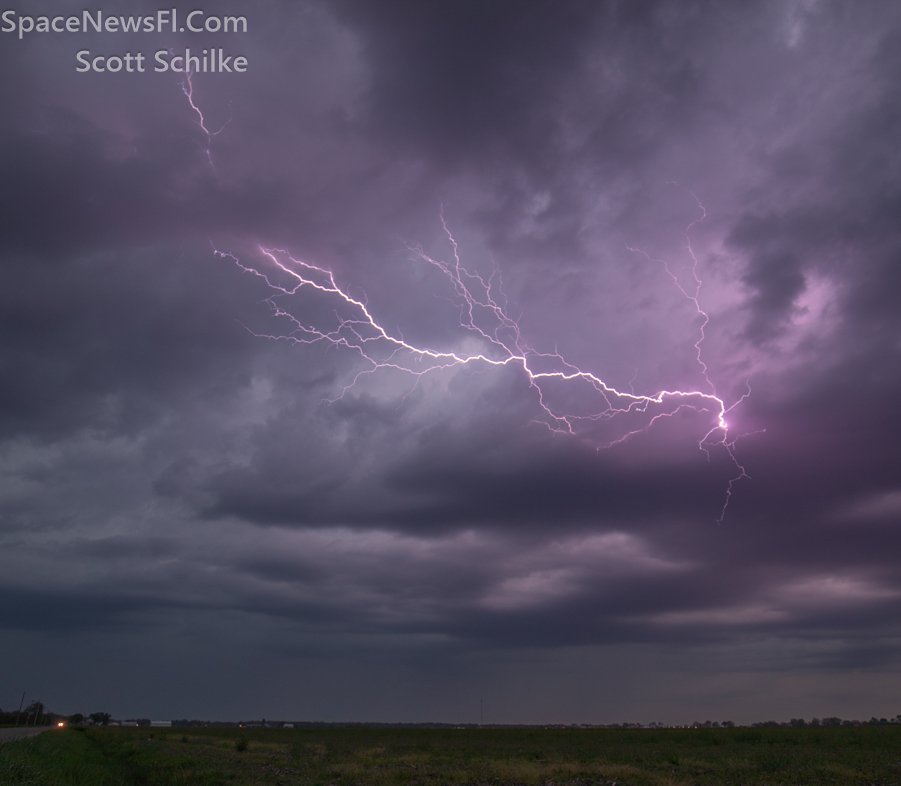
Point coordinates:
[[692, 293], [187, 87], [483, 314]]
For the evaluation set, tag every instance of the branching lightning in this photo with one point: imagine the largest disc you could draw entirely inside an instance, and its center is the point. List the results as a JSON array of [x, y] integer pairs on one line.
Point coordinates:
[[483, 315], [692, 293]]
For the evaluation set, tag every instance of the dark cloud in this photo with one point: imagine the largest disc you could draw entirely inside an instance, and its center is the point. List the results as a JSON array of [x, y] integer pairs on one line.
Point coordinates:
[[481, 97], [65, 612], [122, 336]]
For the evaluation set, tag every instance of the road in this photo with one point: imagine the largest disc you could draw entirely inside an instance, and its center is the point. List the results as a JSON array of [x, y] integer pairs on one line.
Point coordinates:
[[18, 733]]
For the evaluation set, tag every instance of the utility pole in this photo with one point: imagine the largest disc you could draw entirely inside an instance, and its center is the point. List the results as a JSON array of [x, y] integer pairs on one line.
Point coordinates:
[[19, 714]]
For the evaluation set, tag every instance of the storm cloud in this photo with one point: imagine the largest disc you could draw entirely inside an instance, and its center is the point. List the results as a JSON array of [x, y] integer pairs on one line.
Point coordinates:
[[212, 522]]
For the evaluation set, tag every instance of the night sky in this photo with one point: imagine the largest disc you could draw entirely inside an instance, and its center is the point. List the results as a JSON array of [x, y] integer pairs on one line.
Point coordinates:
[[201, 516]]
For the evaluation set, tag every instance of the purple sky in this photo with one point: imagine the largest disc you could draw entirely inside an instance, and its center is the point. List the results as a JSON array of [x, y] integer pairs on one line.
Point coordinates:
[[192, 525]]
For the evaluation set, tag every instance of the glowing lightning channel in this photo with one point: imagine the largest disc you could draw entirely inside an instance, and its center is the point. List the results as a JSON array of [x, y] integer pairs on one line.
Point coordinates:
[[482, 314], [187, 87], [692, 293]]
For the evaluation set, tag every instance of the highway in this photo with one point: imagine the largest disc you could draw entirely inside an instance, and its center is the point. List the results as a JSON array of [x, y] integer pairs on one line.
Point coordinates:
[[6, 735]]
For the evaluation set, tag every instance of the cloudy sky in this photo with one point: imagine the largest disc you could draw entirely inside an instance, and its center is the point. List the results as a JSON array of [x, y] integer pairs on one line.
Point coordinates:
[[201, 515]]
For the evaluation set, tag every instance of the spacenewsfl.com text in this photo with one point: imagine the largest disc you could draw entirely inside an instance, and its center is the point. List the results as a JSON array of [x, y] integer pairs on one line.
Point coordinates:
[[162, 21]]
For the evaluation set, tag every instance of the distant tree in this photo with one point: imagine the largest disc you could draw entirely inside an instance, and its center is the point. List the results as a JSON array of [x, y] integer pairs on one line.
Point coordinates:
[[798, 723], [100, 718], [727, 724], [34, 714], [76, 718]]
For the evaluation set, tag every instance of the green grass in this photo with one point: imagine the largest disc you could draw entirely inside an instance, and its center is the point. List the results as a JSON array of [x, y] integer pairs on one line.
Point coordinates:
[[360, 756], [66, 758]]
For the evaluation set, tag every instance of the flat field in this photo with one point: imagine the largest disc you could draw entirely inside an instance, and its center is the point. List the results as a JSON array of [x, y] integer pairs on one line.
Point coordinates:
[[362, 756]]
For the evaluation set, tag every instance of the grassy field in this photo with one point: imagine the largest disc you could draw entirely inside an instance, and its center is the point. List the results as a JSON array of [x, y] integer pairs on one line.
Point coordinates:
[[344, 756]]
